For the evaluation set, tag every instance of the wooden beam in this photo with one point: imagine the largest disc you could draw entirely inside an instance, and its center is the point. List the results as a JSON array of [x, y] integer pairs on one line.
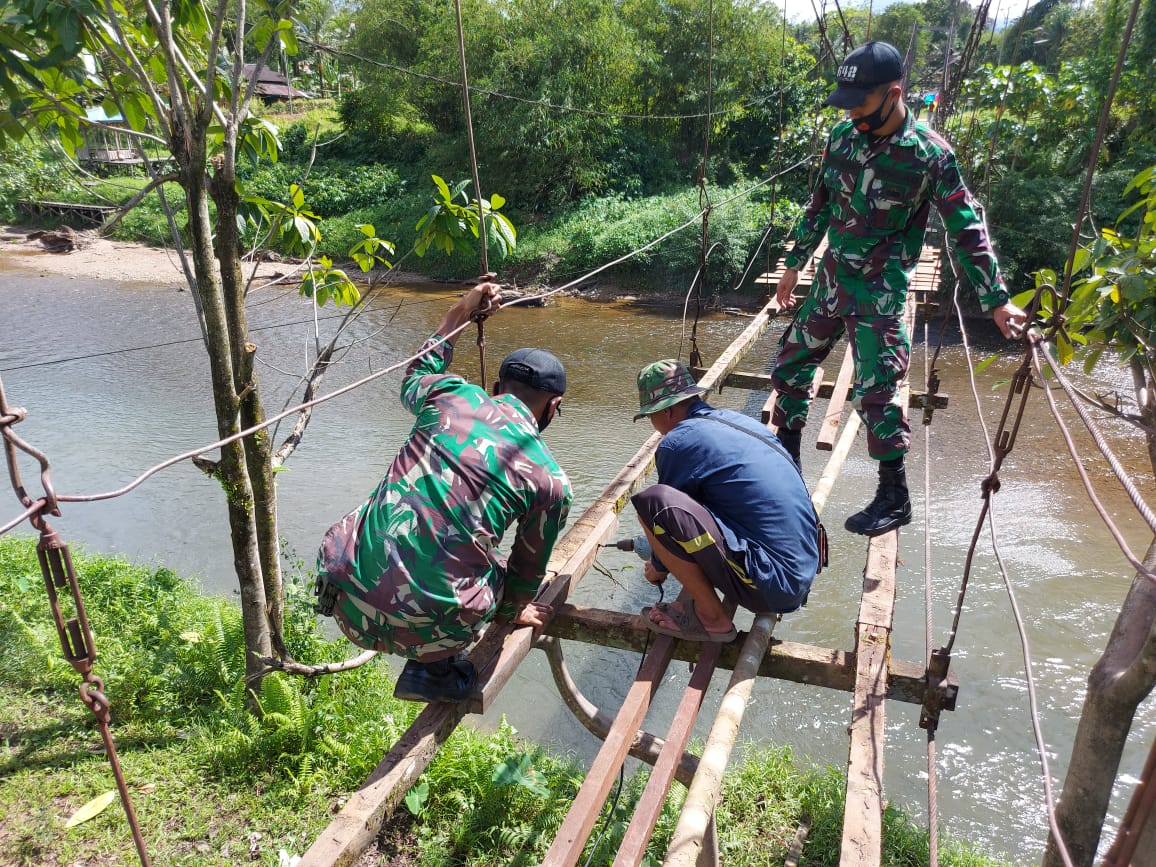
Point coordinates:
[[645, 746], [649, 807], [830, 424], [785, 660], [823, 390], [862, 844], [583, 813], [355, 828], [694, 822]]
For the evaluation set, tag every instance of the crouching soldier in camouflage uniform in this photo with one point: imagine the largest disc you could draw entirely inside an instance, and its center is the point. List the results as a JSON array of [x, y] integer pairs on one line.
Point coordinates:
[[880, 175], [415, 571]]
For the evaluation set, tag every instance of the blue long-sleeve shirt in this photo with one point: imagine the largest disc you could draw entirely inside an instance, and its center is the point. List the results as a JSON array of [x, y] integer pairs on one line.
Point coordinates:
[[754, 492]]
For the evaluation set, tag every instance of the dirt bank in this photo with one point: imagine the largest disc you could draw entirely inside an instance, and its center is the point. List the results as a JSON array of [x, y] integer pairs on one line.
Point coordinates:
[[102, 259]]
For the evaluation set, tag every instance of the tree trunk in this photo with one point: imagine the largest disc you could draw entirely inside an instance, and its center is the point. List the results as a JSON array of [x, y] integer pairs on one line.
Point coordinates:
[[232, 470], [1121, 679], [258, 452]]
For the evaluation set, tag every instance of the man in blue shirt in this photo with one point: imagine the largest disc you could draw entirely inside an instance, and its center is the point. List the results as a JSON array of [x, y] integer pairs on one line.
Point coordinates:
[[730, 512]]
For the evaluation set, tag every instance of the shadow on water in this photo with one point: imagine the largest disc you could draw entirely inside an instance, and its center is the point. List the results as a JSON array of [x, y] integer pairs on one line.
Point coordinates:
[[105, 419]]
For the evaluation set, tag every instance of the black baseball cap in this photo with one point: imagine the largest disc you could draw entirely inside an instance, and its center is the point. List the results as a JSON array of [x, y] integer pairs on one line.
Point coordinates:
[[537, 368], [863, 70]]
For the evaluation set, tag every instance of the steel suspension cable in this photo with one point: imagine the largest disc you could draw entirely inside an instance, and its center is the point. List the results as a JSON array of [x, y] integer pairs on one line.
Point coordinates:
[[1004, 441], [1033, 702], [973, 122], [478, 318], [1135, 561], [703, 200], [932, 785], [1003, 99], [974, 36], [89, 498], [539, 103]]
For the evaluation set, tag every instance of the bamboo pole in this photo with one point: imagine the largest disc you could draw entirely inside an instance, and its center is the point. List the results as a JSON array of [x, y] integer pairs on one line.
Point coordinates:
[[698, 809]]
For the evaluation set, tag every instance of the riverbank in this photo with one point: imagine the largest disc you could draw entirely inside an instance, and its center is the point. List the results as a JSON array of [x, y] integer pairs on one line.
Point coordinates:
[[129, 262], [102, 259]]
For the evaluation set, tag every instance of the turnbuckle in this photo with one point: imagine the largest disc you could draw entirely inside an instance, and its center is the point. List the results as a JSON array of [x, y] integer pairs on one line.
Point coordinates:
[[938, 694]]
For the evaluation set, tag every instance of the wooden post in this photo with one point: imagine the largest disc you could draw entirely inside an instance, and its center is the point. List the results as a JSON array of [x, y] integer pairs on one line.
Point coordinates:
[[838, 400]]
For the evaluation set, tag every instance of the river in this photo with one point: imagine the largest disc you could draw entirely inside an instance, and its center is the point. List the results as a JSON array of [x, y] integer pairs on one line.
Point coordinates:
[[105, 417]]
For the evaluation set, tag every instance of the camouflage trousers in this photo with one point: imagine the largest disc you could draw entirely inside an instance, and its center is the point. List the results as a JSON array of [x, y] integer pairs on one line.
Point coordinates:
[[881, 349], [390, 614]]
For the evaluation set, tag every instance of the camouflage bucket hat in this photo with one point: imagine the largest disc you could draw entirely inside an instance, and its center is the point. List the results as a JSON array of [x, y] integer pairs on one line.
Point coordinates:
[[663, 384]]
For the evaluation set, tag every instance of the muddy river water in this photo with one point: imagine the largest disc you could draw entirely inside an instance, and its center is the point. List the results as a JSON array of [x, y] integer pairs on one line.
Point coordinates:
[[106, 416]]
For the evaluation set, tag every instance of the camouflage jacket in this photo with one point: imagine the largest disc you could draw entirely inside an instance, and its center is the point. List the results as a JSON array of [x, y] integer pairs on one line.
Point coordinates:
[[873, 200], [472, 465]]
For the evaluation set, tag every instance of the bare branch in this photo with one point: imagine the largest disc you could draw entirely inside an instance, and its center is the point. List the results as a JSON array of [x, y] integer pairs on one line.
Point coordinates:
[[134, 67], [320, 366], [178, 98], [290, 666], [135, 200], [219, 19], [1100, 402]]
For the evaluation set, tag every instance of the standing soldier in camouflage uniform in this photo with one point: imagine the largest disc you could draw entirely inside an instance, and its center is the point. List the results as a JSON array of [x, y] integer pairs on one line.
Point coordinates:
[[415, 571], [880, 175]]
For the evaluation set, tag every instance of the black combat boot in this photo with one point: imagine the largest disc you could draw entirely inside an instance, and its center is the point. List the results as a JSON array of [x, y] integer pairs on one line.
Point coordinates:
[[792, 441], [890, 509]]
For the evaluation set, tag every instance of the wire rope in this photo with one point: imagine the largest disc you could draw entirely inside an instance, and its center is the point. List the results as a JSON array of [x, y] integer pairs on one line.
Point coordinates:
[[1033, 701], [986, 516], [89, 498], [929, 631], [1087, 483], [540, 103]]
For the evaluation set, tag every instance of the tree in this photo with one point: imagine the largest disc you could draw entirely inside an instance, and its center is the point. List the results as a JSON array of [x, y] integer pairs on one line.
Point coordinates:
[[174, 71], [1113, 304]]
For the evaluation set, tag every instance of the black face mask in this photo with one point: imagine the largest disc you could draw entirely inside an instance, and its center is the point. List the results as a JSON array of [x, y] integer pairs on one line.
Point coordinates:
[[868, 123], [547, 416]]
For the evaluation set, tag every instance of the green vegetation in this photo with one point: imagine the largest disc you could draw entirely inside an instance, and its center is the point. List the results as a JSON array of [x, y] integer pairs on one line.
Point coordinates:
[[594, 111], [213, 784]]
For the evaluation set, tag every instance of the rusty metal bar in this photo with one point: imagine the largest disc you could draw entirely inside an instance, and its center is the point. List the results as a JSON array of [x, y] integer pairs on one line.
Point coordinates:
[[583, 813], [646, 747]]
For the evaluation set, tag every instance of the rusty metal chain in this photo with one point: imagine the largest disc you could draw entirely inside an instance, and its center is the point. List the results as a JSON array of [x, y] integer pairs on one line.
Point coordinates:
[[75, 634], [47, 504]]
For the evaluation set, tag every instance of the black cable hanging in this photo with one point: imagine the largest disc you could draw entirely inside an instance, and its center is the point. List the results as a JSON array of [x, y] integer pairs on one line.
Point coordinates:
[[704, 194], [480, 316]]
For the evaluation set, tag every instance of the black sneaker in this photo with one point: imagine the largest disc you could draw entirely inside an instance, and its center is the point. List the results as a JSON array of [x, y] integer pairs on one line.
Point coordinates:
[[444, 680]]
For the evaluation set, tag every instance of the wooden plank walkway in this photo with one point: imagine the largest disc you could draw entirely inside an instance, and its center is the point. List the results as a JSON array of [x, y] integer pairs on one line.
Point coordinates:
[[94, 215], [868, 672]]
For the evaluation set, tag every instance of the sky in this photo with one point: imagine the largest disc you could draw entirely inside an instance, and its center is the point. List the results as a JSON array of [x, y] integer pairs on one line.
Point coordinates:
[[801, 10]]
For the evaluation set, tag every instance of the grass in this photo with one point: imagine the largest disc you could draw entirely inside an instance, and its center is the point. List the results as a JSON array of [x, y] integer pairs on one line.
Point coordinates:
[[215, 785]]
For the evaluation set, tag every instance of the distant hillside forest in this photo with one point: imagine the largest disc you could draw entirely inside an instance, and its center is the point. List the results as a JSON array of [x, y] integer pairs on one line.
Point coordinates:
[[591, 119]]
